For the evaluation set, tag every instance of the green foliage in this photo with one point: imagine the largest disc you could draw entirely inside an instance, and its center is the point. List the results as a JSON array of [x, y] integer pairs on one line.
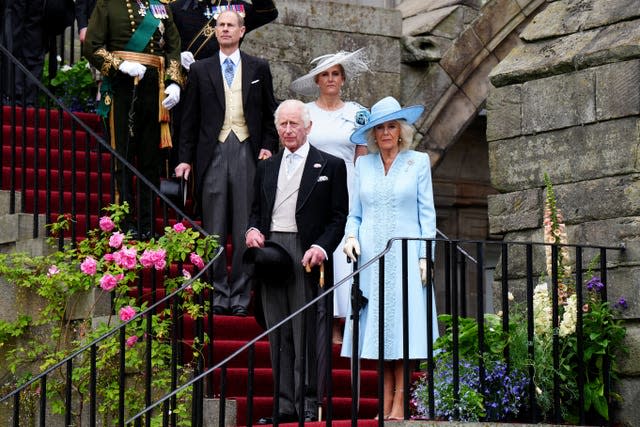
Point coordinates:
[[62, 276], [602, 339], [73, 85]]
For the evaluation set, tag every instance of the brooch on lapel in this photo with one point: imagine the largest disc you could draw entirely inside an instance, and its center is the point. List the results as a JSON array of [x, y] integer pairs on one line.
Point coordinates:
[[323, 178], [317, 166], [409, 164]]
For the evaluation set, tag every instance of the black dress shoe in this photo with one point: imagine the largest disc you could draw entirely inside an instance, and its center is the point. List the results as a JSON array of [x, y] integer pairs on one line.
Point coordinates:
[[282, 418], [218, 309], [310, 416], [238, 310]]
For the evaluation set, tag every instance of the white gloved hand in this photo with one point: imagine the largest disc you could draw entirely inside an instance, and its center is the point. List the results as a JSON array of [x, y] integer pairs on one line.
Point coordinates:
[[173, 96], [186, 59], [351, 248], [423, 271], [134, 69]]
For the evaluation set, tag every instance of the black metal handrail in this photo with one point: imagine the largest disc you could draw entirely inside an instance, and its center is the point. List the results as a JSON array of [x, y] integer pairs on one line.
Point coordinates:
[[456, 301], [451, 268], [94, 145], [452, 308], [17, 182], [91, 346]]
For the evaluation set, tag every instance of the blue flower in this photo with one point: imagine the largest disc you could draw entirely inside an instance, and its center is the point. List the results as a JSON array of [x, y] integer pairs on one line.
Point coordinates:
[[362, 117], [502, 397], [622, 304], [595, 284]]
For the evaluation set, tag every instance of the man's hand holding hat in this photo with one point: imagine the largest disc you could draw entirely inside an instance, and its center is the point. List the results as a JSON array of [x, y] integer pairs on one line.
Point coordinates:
[[254, 238]]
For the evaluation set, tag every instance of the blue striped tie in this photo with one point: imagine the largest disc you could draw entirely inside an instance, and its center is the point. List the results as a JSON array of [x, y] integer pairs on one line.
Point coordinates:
[[229, 70]]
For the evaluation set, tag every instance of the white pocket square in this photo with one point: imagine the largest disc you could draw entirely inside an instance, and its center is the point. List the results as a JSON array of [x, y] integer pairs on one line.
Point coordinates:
[[322, 178], [255, 81]]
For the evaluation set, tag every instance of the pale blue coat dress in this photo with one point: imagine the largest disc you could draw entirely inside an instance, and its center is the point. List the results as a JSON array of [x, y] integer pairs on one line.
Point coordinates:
[[399, 204]]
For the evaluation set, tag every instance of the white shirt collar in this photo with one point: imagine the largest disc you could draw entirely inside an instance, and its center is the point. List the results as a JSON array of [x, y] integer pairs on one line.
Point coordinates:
[[235, 57], [303, 151]]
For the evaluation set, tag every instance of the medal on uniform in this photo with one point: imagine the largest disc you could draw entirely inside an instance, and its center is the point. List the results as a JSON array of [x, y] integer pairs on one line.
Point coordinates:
[[238, 8], [159, 11], [161, 30], [142, 10], [207, 12]]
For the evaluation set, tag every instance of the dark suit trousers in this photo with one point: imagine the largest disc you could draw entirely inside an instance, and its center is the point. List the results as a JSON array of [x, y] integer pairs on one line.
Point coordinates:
[[227, 194], [279, 302], [27, 44]]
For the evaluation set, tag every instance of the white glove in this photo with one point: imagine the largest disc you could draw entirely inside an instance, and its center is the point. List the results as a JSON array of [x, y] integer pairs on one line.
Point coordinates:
[[173, 96], [351, 248], [423, 271], [134, 69], [186, 59]]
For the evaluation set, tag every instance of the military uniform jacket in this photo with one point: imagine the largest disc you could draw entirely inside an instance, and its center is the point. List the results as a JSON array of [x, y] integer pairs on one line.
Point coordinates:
[[110, 27], [190, 18]]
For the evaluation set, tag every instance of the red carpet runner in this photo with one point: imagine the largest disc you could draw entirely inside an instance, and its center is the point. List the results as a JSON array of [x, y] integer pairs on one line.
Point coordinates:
[[230, 333]]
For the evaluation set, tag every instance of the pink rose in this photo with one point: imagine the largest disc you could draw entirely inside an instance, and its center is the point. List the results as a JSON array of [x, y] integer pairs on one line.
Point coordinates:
[[151, 258], [186, 274], [131, 341], [53, 270], [115, 241], [196, 260], [160, 259], [146, 259], [108, 257], [106, 224], [127, 313], [89, 266], [108, 282], [179, 227], [126, 257]]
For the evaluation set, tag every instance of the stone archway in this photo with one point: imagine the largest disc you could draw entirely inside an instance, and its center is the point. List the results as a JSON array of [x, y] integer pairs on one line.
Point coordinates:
[[450, 46]]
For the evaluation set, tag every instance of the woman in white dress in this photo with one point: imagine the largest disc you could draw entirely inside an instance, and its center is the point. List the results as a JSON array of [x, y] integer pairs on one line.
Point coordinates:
[[334, 120], [392, 197]]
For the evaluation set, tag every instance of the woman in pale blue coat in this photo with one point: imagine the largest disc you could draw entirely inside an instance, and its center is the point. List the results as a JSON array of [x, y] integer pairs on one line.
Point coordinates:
[[392, 197]]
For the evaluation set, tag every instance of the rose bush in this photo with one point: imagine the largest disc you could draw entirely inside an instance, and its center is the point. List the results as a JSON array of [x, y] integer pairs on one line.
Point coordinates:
[[113, 262]]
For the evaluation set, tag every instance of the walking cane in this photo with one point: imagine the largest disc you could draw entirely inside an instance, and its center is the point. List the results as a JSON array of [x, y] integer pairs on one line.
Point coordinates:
[[321, 339]]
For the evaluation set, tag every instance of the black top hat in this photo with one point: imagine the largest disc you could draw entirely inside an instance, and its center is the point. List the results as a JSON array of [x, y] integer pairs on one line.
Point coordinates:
[[272, 263], [175, 189]]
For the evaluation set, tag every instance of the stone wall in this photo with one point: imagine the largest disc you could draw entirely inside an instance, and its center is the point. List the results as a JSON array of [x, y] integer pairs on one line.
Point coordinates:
[[566, 102], [306, 29]]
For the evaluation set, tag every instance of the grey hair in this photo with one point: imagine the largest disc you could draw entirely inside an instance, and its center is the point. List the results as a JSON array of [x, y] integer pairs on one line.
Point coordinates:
[[301, 106], [406, 134]]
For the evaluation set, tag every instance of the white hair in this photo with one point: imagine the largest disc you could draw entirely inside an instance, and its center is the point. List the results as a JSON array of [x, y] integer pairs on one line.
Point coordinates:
[[301, 106]]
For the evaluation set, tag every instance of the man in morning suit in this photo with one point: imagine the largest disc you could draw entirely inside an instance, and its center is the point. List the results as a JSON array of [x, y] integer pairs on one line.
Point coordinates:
[[227, 125], [191, 17], [301, 203]]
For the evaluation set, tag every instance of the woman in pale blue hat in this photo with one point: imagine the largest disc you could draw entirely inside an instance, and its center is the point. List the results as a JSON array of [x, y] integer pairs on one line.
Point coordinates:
[[392, 197]]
